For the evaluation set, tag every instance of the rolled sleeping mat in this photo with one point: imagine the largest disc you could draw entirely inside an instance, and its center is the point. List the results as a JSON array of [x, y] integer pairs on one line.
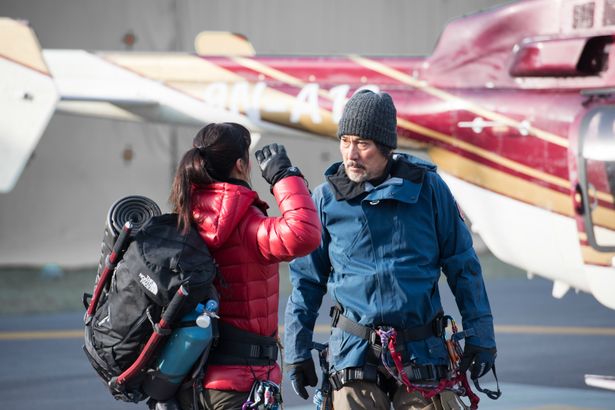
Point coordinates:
[[134, 208]]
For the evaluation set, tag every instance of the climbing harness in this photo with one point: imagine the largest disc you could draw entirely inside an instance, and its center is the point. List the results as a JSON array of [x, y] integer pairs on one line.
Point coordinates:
[[385, 357], [456, 381]]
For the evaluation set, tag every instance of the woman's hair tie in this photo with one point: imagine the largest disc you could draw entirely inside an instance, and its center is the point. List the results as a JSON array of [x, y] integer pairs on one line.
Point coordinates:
[[202, 151]]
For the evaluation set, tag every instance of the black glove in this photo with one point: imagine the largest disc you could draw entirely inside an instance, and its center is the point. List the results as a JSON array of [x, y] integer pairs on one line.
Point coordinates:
[[274, 163], [302, 374], [478, 359]]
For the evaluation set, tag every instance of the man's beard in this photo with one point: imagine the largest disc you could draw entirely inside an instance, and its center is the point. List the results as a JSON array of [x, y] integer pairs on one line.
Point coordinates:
[[358, 177]]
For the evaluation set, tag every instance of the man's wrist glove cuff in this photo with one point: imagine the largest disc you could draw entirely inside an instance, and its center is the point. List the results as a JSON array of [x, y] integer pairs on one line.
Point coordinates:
[[478, 360], [302, 374]]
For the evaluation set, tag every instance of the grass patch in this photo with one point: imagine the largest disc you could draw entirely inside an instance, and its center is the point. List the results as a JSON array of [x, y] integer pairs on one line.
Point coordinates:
[[35, 290], [493, 268]]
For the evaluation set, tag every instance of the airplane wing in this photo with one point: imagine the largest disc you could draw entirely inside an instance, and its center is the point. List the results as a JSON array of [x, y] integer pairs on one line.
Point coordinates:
[[36, 83], [92, 84], [27, 96]]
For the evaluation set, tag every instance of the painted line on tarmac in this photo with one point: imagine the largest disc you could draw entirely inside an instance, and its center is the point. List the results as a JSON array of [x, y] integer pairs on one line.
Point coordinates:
[[41, 335], [556, 330], [324, 329]]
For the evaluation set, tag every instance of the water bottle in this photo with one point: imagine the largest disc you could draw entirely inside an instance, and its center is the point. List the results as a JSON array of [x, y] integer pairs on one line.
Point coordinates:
[[318, 399], [322, 400], [184, 347]]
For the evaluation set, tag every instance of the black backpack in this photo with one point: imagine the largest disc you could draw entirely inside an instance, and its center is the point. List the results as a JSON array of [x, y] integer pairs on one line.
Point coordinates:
[[162, 275]]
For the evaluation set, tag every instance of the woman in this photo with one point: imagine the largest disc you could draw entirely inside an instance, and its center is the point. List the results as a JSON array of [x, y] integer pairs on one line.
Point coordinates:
[[212, 189]]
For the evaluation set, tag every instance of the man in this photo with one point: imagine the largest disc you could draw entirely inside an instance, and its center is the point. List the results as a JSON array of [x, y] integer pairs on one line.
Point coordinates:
[[390, 226]]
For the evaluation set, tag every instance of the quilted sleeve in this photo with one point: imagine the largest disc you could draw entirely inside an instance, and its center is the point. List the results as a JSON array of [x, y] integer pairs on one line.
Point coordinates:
[[297, 231]]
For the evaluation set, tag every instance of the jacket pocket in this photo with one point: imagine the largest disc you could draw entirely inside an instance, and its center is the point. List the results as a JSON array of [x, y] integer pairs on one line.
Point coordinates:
[[428, 351], [362, 235], [436, 350], [345, 350]]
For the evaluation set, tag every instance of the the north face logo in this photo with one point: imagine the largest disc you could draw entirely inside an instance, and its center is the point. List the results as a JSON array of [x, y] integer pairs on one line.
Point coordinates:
[[148, 283]]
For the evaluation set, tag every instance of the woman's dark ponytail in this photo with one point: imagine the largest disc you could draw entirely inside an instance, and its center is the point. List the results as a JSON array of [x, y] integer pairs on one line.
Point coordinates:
[[215, 150]]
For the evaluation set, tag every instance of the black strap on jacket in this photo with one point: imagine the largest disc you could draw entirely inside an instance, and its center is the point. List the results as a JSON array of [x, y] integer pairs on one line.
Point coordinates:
[[433, 328], [416, 373], [368, 373], [426, 372], [239, 347]]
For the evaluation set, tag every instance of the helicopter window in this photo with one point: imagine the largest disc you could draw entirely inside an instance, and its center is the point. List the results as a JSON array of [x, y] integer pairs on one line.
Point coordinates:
[[599, 145], [596, 173], [607, 133]]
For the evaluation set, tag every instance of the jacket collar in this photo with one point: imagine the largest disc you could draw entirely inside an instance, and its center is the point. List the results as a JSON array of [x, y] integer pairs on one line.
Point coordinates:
[[241, 182], [344, 188], [405, 172]]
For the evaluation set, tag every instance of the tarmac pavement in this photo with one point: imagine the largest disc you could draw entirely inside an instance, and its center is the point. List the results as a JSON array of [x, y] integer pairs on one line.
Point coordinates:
[[545, 346]]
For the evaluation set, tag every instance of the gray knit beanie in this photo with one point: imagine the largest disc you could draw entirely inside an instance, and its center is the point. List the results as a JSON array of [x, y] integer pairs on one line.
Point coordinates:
[[370, 115]]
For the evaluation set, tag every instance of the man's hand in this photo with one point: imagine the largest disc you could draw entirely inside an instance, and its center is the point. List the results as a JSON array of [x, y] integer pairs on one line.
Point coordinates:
[[302, 374], [274, 163], [478, 359]]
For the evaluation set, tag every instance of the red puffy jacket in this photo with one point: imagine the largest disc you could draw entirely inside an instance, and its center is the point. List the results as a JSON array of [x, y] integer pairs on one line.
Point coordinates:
[[247, 245]]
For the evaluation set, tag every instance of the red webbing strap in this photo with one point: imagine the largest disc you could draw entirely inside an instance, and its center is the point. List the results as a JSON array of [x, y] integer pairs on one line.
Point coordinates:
[[144, 357], [474, 399], [429, 392], [110, 263]]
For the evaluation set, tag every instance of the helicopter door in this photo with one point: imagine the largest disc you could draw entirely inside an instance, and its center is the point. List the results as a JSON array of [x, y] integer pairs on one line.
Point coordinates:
[[596, 175]]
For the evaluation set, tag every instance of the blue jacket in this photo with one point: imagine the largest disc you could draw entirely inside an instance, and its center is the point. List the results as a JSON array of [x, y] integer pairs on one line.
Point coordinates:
[[380, 258]]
